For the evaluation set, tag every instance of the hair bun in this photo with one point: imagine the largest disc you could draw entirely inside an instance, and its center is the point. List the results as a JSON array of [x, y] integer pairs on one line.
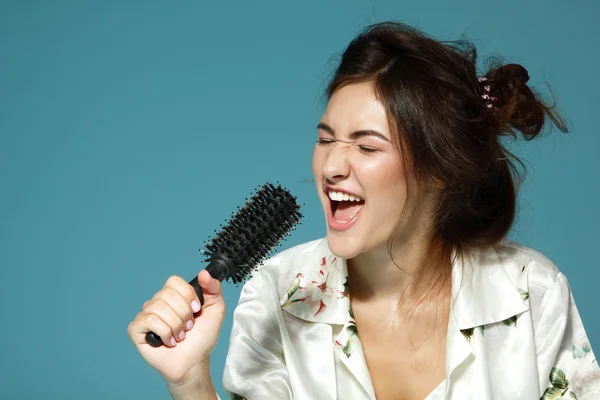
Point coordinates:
[[515, 73]]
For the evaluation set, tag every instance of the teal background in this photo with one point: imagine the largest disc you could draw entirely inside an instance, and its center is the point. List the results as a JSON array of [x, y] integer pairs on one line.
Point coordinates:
[[130, 130]]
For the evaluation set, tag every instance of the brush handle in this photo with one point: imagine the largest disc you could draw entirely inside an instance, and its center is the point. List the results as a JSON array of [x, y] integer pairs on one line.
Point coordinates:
[[219, 267]]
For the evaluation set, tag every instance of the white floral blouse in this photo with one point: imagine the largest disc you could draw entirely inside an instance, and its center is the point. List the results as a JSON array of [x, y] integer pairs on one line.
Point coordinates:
[[514, 331]]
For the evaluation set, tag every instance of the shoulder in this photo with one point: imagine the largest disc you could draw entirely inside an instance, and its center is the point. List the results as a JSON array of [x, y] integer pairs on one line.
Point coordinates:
[[279, 270], [285, 260], [526, 265], [538, 279], [297, 253]]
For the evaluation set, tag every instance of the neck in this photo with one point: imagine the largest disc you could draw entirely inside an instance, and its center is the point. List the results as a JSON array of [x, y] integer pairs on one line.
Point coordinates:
[[409, 269], [377, 276]]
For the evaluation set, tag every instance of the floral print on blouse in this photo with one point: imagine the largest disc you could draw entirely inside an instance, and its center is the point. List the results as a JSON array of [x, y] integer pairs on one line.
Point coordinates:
[[514, 332]]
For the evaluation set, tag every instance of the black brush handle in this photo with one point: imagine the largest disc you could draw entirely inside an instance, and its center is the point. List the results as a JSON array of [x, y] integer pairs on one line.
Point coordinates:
[[219, 267]]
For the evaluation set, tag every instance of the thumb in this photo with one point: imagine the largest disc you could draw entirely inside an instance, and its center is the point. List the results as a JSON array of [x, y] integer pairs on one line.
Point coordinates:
[[211, 288]]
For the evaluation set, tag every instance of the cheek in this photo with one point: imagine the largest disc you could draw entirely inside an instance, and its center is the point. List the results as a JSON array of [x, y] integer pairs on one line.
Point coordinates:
[[387, 184], [394, 176], [382, 174]]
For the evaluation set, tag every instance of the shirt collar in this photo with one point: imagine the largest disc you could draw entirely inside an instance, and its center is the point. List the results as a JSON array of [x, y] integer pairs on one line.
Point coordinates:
[[319, 289], [482, 291]]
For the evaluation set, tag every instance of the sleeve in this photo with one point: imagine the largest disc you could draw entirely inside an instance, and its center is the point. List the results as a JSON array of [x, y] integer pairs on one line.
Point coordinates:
[[566, 363], [255, 366]]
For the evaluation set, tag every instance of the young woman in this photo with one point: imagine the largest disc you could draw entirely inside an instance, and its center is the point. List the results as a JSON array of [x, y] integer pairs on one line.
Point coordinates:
[[414, 293]]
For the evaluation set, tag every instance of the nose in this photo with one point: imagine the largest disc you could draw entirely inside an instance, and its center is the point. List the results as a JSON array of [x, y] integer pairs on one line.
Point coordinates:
[[336, 166]]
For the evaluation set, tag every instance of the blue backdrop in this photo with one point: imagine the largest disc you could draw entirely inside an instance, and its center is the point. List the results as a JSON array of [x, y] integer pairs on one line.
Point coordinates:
[[130, 130]]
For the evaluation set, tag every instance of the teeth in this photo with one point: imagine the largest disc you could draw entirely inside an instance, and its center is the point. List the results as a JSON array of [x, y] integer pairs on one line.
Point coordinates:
[[340, 196]]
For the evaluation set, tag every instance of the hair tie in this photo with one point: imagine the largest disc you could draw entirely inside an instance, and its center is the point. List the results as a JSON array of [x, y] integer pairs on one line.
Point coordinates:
[[488, 99]]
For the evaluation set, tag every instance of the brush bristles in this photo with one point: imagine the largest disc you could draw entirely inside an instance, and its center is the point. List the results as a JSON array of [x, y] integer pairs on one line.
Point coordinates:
[[256, 229]]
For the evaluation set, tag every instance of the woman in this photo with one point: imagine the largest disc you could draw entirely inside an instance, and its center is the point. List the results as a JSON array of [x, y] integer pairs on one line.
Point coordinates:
[[414, 293]]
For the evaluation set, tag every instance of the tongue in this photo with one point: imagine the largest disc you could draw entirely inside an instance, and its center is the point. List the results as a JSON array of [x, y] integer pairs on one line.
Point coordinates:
[[346, 210]]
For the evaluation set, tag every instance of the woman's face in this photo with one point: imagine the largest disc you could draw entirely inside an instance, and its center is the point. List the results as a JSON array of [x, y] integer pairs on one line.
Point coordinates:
[[355, 155]]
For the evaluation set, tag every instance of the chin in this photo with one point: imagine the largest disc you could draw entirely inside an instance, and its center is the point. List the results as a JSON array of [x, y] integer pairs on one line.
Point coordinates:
[[344, 246]]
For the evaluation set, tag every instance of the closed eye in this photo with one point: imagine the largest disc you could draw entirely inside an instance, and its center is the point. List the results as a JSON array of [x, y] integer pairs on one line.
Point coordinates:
[[325, 141], [367, 149], [364, 149]]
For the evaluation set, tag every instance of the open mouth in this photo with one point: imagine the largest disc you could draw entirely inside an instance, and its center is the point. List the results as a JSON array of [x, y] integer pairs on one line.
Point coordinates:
[[344, 207]]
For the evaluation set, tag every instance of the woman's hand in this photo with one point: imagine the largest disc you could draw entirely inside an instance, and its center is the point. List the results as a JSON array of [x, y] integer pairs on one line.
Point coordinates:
[[189, 332]]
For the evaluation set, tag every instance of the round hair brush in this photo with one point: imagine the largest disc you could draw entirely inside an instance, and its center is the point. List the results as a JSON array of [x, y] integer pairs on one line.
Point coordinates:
[[247, 239]]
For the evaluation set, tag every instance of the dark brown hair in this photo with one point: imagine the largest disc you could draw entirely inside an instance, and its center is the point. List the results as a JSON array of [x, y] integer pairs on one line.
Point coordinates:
[[444, 129]]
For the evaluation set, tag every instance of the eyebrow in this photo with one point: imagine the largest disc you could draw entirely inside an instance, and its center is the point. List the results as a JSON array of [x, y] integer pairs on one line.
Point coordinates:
[[354, 135]]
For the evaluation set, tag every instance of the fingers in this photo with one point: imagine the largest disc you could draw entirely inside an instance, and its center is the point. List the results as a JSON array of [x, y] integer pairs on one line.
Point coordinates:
[[185, 290], [211, 288], [146, 322], [169, 314]]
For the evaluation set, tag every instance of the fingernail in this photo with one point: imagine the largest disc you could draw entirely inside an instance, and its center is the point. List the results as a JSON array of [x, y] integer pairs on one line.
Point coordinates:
[[181, 335], [195, 306], [189, 324], [173, 342]]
